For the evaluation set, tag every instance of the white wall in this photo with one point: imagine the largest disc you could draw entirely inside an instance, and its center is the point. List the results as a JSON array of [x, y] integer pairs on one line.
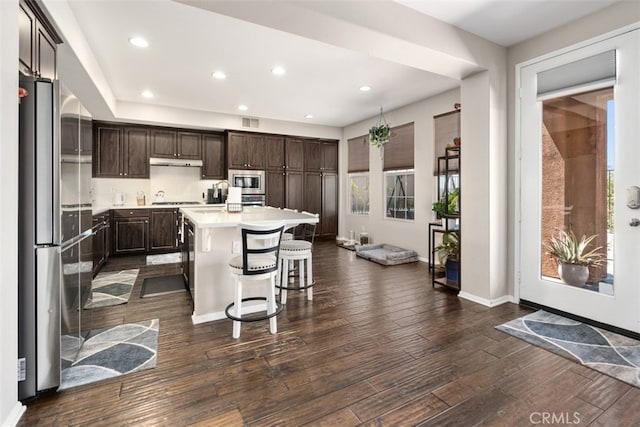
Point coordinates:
[[10, 408], [178, 183], [403, 233], [619, 15]]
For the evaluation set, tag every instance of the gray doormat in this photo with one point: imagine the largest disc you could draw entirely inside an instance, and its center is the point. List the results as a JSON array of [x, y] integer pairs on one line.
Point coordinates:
[[162, 285], [604, 351]]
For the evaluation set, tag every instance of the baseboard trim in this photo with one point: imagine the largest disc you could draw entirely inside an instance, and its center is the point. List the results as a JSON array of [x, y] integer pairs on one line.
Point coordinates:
[[218, 315], [487, 302], [209, 317], [15, 415]]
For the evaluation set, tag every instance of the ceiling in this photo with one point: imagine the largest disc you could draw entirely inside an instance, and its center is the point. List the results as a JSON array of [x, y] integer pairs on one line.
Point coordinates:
[[187, 44]]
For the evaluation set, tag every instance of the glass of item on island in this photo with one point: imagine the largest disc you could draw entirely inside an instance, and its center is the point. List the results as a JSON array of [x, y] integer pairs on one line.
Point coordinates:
[[141, 198], [352, 237]]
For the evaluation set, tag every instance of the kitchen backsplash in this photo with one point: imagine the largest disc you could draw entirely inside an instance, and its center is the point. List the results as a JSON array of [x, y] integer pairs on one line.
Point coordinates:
[[178, 183]]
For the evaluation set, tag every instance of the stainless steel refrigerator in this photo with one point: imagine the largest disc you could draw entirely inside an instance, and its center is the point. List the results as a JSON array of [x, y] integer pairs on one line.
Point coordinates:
[[55, 259]]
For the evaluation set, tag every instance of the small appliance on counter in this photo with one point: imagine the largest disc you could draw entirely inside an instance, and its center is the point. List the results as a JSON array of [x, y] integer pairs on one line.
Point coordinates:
[[160, 196], [118, 198], [218, 193]]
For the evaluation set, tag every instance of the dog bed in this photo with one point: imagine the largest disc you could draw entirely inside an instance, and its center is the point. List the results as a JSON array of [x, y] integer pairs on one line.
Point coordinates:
[[386, 254]]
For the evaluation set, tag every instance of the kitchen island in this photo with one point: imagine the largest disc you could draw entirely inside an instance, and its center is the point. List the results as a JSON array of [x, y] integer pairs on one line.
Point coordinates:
[[217, 239]]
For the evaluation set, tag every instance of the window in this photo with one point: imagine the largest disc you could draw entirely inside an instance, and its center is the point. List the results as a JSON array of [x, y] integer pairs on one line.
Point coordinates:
[[400, 194], [359, 193]]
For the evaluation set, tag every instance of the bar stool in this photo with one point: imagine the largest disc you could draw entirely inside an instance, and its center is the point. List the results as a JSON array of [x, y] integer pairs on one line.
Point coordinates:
[[259, 261], [300, 250]]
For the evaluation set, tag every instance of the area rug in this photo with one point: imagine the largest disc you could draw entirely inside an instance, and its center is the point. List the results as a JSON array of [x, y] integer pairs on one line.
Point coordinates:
[[162, 285], [607, 352], [113, 351], [112, 288]]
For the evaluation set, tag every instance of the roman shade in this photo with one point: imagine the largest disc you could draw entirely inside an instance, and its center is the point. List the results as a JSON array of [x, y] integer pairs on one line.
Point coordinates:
[[358, 154], [398, 152], [597, 70]]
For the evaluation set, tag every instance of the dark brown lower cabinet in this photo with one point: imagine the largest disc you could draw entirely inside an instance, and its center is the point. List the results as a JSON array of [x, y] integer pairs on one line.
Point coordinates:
[[130, 231], [164, 230], [141, 231], [101, 241]]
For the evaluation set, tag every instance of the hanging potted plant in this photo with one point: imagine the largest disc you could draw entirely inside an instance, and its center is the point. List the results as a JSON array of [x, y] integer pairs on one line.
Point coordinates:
[[380, 134], [572, 256]]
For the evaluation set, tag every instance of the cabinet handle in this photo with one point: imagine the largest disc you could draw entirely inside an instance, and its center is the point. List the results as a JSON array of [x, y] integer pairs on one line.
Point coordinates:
[[146, 222], [120, 173], [178, 154], [125, 174]]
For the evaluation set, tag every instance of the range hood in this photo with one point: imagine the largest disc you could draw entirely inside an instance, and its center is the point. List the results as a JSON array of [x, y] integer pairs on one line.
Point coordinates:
[[158, 161]]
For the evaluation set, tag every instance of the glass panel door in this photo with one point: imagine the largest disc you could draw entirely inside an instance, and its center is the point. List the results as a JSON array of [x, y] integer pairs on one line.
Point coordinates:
[[579, 155]]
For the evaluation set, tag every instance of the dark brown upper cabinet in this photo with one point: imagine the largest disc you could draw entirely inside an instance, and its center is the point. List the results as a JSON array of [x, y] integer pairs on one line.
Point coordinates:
[[120, 151], [189, 145], [163, 143], [274, 152], [37, 42], [167, 143], [246, 151], [213, 157], [320, 156]]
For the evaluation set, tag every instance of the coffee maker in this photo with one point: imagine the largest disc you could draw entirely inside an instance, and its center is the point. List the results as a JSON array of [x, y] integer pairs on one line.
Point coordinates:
[[218, 192]]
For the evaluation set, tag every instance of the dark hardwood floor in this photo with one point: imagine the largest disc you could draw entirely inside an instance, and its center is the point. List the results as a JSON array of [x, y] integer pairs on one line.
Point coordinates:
[[376, 346]]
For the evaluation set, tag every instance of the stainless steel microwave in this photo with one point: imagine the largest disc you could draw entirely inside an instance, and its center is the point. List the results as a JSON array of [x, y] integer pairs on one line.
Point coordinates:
[[251, 181]]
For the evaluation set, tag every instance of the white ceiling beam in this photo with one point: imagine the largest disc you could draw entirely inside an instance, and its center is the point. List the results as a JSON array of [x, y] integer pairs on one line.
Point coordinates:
[[385, 30]]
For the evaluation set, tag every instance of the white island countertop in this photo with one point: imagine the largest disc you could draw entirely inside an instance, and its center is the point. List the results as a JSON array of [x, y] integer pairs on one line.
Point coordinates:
[[216, 239], [214, 217]]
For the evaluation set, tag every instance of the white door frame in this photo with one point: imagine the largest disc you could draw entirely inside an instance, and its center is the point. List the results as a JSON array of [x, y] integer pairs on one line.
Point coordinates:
[[518, 261]]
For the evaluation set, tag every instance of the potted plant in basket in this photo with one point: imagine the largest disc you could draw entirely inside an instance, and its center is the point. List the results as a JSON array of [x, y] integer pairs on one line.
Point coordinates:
[[449, 254], [572, 256], [379, 135]]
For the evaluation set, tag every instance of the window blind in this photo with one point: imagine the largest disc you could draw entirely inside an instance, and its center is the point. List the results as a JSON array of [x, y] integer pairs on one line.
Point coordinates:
[[358, 155], [599, 68], [398, 152]]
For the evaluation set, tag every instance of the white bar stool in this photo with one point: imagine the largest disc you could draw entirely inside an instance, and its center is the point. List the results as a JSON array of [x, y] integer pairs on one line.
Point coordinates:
[[300, 250], [259, 261]]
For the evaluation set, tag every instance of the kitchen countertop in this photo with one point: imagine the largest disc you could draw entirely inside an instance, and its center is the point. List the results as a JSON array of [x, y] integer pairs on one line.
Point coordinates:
[[215, 216], [104, 208]]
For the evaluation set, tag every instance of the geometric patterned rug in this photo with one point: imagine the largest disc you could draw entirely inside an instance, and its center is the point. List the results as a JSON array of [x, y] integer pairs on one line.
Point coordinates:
[[112, 288], [604, 351], [112, 351]]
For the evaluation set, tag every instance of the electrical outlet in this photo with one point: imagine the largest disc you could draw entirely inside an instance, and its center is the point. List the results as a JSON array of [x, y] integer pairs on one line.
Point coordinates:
[[236, 247]]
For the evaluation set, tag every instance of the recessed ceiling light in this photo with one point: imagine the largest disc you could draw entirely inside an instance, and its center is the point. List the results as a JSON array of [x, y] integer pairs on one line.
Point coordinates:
[[219, 75], [365, 88], [147, 94], [138, 42], [243, 107], [308, 116], [278, 71]]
